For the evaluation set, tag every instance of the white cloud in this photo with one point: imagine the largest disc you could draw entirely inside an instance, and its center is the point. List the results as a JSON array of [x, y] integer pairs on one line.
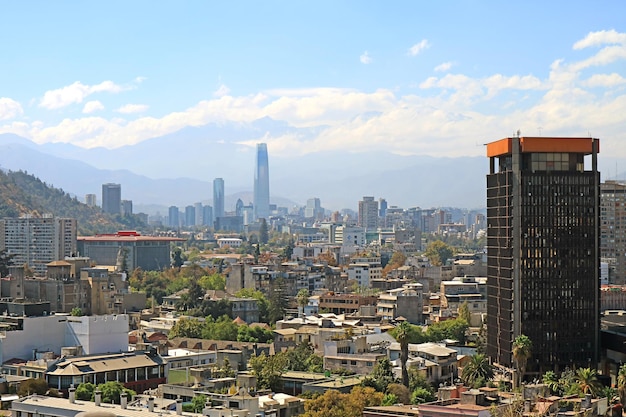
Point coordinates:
[[222, 91], [605, 80], [448, 115], [9, 108], [92, 106], [418, 47], [132, 108], [76, 93], [443, 67], [602, 37], [365, 58]]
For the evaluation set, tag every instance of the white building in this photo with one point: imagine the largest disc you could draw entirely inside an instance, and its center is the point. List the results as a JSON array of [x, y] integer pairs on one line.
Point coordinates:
[[363, 270], [95, 334]]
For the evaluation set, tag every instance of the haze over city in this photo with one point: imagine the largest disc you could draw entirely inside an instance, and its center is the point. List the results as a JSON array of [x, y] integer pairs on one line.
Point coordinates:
[[415, 79]]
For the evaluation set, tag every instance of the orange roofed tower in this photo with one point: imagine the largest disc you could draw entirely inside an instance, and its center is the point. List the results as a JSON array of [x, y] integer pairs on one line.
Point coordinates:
[[543, 251]]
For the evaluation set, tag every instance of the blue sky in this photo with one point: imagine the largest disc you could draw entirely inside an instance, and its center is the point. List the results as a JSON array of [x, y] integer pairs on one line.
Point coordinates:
[[410, 77]]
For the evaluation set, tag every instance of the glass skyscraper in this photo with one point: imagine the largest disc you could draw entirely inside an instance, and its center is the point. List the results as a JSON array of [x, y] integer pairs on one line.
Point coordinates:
[[261, 183], [218, 197]]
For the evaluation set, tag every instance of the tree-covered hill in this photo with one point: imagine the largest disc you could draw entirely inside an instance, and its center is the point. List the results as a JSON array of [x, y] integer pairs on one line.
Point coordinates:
[[23, 194]]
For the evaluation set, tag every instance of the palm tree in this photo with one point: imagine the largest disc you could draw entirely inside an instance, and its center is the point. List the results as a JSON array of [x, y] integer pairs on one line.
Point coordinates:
[[587, 380], [478, 369], [402, 336], [522, 351], [303, 299], [621, 384]]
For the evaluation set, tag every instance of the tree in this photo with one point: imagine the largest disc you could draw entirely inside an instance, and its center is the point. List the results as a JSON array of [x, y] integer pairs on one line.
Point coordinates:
[[397, 260], [381, 376], [587, 380], [477, 371], [402, 336], [438, 252], [84, 391], [402, 393], [263, 232], [186, 328], [268, 370], [422, 395], [522, 351], [303, 300], [177, 257], [197, 403], [33, 386], [551, 379], [112, 390], [76, 312], [334, 403], [621, 384], [464, 312]]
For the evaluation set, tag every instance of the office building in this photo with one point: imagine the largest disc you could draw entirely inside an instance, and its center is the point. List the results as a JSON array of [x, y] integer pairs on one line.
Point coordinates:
[[218, 198], [127, 207], [111, 198], [199, 220], [150, 253], [368, 213], [173, 217], [261, 183], [90, 200], [543, 256], [37, 241], [207, 215], [190, 216], [313, 209], [613, 229]]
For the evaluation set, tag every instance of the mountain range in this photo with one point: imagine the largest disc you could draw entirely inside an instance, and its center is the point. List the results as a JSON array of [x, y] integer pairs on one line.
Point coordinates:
[[178, 169]]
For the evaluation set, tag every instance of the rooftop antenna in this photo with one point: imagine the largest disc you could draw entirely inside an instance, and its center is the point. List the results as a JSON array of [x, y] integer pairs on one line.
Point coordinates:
[[518, 133]]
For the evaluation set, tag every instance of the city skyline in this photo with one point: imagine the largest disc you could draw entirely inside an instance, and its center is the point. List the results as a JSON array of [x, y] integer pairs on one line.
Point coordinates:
[[416, 79]]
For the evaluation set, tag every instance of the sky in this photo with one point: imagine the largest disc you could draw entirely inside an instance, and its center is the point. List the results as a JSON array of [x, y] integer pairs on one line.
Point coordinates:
[[408, 77]]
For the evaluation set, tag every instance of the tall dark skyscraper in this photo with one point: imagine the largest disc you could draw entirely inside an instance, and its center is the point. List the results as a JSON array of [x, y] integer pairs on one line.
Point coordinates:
[[261, 183], [543, 255], [218, 198], [173, 216], [112, 198]]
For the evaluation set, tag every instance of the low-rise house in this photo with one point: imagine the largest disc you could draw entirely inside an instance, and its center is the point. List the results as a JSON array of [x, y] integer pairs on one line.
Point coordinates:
[[445, 359]]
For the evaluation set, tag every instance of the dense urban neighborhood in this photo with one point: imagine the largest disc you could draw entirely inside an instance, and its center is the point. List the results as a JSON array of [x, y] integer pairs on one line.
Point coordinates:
[[518, 309]]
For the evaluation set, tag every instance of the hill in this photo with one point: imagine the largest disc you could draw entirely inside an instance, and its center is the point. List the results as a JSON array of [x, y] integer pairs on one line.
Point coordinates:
[[24, 194]]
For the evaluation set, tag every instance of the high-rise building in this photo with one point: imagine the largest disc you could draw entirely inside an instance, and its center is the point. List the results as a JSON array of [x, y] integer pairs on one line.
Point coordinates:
[[218, 198], [127, 207], [190, 216], [112, 198], [261, 183], [313, 209], [37, 241], [382, 207], [368, 213], [543, 256], [207, 215], [199, 221], [613, 230], [173, 217], [90, 200]]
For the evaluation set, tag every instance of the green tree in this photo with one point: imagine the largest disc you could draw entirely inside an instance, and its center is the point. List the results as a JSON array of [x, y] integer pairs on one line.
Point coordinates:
[[263, 232], [213, 281], [76, 312], [186, 327], [587, 380], [551, 379], [522, 351], [112, 390], [177, 257], [402, 336], [197, 403], [221, 329], [84, 391], [303, 300], [268, 370], [477, 370], [381, 376], [277, 303], [422, 395], [438, 252]]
